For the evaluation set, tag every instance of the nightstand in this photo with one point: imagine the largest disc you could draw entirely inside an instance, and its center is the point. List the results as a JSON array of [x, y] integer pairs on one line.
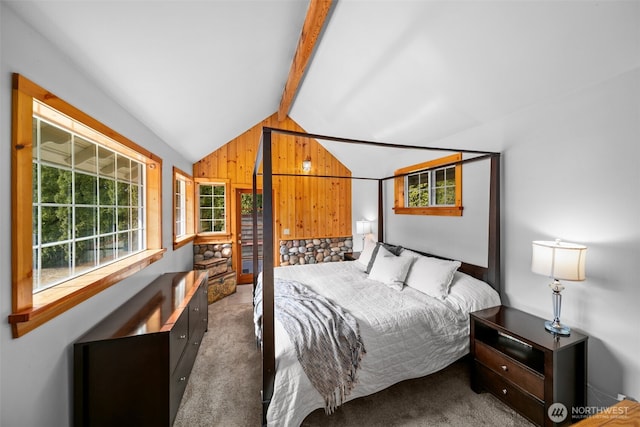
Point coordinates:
[[351, 256], [528, 368]]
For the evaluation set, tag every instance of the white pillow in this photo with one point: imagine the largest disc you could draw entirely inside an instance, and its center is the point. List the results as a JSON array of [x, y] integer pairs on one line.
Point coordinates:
[[390, 269], [367, 250], [468, 294], [432, 276]]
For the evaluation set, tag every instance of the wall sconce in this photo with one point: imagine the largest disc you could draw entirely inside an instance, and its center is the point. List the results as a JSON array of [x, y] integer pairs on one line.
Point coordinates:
[[306, 164], [558, 260]]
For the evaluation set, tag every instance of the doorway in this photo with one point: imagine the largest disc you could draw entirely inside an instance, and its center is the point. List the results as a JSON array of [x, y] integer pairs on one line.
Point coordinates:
[[244, 225]]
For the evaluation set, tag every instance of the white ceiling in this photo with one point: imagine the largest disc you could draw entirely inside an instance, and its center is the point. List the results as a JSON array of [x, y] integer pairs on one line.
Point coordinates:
[[199, 73]]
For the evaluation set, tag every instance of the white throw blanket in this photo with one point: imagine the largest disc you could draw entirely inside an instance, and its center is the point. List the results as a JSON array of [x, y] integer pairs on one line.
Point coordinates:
[[326, 338]]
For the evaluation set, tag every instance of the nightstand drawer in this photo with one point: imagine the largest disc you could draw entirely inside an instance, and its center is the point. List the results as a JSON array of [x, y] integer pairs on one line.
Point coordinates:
[[504, 390], [508, 368]]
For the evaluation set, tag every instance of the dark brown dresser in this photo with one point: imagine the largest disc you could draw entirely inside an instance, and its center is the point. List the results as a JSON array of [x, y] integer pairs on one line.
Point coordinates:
[[131, 369], [539, 374]]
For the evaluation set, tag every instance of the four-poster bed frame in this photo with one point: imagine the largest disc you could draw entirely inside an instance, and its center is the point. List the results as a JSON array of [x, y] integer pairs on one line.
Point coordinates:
[[489, 274]]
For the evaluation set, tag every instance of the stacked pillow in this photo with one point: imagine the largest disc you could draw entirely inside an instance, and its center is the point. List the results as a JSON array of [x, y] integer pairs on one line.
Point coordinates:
[[395, 267]]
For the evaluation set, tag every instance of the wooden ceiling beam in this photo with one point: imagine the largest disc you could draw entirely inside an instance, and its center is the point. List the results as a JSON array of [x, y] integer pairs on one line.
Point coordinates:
[[311, 29]]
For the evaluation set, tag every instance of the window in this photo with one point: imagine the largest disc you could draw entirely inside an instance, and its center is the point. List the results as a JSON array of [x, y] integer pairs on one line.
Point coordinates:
[[430, 188], [212, 208], [85, 207], [183, 224]]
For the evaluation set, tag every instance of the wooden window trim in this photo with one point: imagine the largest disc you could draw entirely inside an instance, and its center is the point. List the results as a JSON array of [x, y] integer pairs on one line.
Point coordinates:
[[211, 236], [190, 235], [399, 188], [28, 310]]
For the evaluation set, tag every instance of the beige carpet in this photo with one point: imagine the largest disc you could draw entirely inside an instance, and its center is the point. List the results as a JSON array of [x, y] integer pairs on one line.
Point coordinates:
[[224, 386]]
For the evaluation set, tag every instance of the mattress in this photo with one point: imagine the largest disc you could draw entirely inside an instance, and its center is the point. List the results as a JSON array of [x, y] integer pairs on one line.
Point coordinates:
[[407, 334]]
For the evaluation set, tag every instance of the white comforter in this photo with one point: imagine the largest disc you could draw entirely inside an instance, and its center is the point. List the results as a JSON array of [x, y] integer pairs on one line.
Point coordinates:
[[407, 334]]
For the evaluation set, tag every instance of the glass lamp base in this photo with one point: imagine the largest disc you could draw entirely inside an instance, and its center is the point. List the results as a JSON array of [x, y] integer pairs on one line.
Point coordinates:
[[557, 328]]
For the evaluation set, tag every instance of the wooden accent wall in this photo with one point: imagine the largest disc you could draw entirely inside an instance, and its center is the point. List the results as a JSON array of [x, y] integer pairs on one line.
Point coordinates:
[[309, 207]]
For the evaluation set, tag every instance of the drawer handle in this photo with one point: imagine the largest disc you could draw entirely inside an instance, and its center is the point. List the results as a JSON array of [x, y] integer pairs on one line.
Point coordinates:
[[204, 320], [182, 379], [504, 391], [196, 308], [183, 336], [196, 342], [504, 368]]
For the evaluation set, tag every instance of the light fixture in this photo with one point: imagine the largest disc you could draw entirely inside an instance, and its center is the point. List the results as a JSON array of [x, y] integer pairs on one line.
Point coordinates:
[[306, 164], [558, 260], [363, 227]]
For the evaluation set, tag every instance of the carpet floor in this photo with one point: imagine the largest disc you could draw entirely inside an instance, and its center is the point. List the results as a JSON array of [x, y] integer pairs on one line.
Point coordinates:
[[225, 383]]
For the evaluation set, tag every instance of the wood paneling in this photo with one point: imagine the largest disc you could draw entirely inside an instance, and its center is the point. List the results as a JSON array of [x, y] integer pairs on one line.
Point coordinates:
[[309, 207]]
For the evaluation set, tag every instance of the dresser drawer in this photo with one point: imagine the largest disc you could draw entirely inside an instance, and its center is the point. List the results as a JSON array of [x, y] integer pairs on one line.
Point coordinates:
[[508, 368], [504, 390], [178, 339]]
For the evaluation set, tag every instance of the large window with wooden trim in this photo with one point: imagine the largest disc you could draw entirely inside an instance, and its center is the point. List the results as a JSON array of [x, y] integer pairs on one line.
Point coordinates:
[[212, 208], [85, 206], [183, 209], [430, 188]]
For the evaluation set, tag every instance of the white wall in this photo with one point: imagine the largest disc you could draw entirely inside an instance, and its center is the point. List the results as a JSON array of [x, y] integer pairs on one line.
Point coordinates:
[[36, 369], [570, 170]]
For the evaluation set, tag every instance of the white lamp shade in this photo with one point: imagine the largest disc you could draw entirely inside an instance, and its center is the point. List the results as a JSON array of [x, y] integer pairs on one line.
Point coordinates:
[[363, 227], [559, 260]]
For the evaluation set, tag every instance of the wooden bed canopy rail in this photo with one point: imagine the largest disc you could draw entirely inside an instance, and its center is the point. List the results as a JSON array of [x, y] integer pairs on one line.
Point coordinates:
[[490, 274]]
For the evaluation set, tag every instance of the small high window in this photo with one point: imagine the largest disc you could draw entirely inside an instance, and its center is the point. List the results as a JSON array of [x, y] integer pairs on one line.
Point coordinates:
[[212, 208], [183, 216], [430, 188]]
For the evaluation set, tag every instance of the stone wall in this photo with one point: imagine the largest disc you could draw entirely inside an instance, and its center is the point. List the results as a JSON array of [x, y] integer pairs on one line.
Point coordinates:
[[218, 250], [313, 251]]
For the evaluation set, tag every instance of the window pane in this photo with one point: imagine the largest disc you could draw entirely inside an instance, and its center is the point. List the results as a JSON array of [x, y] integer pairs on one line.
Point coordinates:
[[123, 190], [123, 171], [55, 185], [107, 220], [135, 191], [55, 265], [85, 255], [206, 190], [86, 221], [124, 245], [206, 201], [107, 251], [84, 155], [107, 192], [218, 190], [86, 189], [135, 217], [56, 223], [206, 213], [205, 226], [123, 219], [218, 225], [55, 145], [106, 162]]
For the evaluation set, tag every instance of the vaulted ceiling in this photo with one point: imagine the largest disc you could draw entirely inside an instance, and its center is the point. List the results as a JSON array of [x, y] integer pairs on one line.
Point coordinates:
[[199, 73]]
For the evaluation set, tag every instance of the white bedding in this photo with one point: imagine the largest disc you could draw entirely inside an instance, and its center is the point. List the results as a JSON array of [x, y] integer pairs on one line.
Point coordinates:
[[407, 334]]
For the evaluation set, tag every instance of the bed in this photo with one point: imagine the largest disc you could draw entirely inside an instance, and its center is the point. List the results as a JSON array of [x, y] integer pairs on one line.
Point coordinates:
[[403, 338]]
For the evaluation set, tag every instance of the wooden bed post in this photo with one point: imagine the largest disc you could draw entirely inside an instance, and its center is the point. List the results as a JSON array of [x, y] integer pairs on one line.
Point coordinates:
[[380, 211], [268, 337], [494, 264]]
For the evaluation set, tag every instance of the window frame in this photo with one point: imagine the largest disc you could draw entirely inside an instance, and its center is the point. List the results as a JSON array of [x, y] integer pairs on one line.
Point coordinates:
[[224, 182], [188, 215], [400, 196], [31, 310]]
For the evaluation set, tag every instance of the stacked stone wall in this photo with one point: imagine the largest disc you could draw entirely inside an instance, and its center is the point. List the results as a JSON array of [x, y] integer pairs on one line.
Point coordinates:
[[313, 251]]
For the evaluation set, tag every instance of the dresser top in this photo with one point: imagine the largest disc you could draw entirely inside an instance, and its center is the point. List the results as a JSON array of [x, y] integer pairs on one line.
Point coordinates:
[[526, 327], [154, 309]]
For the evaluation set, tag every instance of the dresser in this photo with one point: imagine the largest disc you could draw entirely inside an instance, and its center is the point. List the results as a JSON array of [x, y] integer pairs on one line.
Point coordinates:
[[131, 369], [528, 368]]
